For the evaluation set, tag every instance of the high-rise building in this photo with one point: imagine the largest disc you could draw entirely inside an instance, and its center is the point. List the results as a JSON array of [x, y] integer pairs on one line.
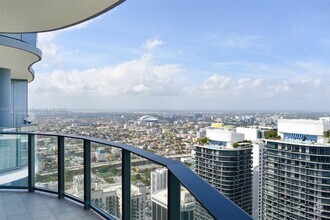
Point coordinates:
[[255, 134], [226, 163], [138, 201], [159, 197], [296, 171], [107, 200], [255, 192], [100, 153], [109, 197], [158, 180], [159, 205], [258, 213]]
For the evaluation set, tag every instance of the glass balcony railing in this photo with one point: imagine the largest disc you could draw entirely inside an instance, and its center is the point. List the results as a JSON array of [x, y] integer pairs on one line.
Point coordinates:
[[117, 181], [30, 38]]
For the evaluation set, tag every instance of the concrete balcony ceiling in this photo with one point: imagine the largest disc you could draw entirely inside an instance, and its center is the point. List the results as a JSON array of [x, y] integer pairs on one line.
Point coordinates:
[[18, 56], [17, 16]]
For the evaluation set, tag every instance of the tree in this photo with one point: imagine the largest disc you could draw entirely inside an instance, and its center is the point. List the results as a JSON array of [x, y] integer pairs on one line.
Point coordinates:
[[271, 134], [326, 134], [235, 145], [203, 140]]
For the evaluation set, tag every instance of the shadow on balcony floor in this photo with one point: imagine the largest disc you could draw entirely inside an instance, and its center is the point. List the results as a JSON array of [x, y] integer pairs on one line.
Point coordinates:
[[39, 206]]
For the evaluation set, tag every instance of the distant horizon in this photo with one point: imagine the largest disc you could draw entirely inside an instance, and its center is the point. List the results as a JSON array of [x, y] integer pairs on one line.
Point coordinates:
[[180, 110]]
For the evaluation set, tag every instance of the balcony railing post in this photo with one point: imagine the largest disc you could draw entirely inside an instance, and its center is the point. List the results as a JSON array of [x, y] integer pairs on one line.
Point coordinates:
[[126, 185], [87, 174], [61, 167], [173, 199], [31, 162]]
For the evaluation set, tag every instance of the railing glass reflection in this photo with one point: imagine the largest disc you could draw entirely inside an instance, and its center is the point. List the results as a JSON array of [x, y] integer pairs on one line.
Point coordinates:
[[46, 168], [112, 178], [106, 180], [13, 160]]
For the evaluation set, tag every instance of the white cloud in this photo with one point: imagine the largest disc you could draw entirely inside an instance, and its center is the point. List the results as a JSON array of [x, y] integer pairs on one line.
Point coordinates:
[[135, 77], [140, 83], [140, 89], [50, 50], [152, 43], [273, 82], [144, 81], [215, 83]]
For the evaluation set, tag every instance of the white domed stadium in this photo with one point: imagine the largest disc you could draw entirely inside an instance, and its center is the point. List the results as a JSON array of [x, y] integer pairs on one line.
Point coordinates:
[[148, 118]]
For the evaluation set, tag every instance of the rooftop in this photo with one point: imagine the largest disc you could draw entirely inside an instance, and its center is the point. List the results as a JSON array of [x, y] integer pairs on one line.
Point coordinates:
[[241, 146], [161, 197], [304, 130]]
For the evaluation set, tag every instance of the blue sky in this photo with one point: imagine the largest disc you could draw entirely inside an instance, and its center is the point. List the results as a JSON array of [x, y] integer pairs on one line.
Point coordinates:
[[190, 54]]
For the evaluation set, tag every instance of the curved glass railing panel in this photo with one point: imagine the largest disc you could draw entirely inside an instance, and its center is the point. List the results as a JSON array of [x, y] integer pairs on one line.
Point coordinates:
[[30, 38], [13, 160], [106, 180], [74, 167], [136, 166], [190, 208], [148, 189], [46, 163]]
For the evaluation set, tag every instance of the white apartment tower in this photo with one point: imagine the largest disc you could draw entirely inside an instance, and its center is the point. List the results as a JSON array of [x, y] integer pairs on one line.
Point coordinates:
[[296, 171], [226, 163], [158, 180]]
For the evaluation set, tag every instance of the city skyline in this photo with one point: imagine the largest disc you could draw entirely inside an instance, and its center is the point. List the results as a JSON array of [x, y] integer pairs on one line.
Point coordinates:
[[217, 56]]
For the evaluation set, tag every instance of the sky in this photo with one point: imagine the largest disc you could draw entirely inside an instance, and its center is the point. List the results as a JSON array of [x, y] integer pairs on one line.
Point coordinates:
[[190, 55]]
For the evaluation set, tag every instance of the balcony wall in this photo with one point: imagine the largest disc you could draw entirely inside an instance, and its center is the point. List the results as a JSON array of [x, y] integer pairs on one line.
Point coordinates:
[[75, 167]]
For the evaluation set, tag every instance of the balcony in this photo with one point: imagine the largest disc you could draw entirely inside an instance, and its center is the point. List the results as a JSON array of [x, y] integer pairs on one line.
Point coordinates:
[[40, 206], [77, 171]]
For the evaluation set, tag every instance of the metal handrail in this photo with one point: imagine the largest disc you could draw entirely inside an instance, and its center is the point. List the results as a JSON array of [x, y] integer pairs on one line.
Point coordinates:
[[217, 205]]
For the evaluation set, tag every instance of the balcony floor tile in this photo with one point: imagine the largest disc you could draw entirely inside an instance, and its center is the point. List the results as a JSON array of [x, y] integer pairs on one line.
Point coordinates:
[[38, 205]]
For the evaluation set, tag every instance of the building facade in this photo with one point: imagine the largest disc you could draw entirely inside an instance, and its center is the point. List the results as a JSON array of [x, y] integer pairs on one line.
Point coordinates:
[[159, 197], [15, 75], [20, 23], [227, 167], [109, 196], [158, 180], [255, 134], [159, 205], [296, 171], [17, 52]]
